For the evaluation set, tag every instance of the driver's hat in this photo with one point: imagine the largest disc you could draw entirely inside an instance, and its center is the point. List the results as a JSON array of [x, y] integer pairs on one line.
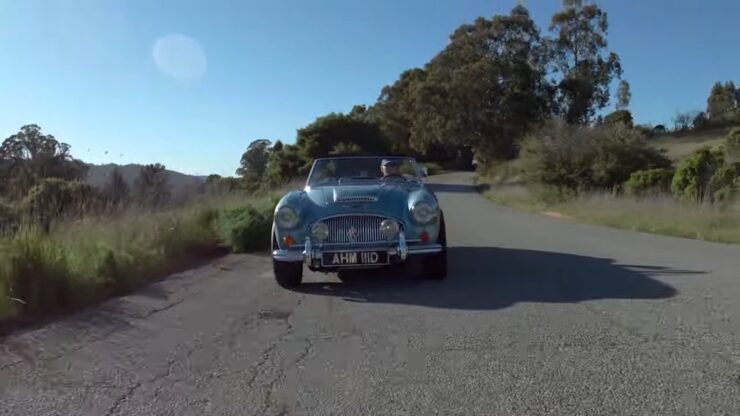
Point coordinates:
[[391, 162]]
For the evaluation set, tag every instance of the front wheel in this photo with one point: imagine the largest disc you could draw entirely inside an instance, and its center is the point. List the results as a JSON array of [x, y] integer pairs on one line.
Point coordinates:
[[434, 266], [288, 274]]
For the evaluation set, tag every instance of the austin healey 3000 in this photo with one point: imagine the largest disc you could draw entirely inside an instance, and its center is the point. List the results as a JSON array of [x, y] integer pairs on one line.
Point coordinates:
[[359, 213]]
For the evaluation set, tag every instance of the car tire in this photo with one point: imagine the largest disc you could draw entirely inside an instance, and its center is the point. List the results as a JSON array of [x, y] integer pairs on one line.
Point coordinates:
[[288, 274], [434, 266]]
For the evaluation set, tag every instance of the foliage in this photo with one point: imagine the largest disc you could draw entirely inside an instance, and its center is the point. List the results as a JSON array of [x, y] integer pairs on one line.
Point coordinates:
[[286, 164], [80, 264], [319, 138], [254, 161], [732, 146], [395, 110], [682, 120], [723, 102], [30, 156], [725, 183], [117, 190], [54, 199], [246, 228], [485, 89], [624, 95], [579, 54], [563, 160], [649, 182], [152, 187], [700, 120], [694, 175], [620, 116]]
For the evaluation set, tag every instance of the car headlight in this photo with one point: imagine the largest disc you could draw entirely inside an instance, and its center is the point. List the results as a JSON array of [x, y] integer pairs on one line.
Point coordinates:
[[286, 217], [423, 212], [389, 228], [320, 231]]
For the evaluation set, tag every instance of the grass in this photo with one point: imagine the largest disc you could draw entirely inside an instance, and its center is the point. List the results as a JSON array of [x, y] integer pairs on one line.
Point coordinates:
[[83, 262], [679, 145], [658, 215]]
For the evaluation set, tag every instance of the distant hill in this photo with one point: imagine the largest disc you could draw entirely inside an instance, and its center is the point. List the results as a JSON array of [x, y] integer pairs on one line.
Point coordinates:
[[99, 175]]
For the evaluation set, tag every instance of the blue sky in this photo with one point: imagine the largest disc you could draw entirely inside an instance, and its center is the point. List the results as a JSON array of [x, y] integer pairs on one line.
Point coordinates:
[[87, 71]]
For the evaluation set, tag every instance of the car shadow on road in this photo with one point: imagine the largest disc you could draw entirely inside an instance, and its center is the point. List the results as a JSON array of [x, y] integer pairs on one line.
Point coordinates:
[[484, 278]]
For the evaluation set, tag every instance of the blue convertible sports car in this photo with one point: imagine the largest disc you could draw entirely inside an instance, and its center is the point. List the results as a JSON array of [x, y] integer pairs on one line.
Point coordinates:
[[359, 213]]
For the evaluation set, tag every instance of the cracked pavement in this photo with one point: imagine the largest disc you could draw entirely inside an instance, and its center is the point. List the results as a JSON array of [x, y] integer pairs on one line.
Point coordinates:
[[538, 316]]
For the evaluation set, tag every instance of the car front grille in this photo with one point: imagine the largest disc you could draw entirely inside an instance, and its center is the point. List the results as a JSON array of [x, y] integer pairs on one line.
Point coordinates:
[[354, 229]]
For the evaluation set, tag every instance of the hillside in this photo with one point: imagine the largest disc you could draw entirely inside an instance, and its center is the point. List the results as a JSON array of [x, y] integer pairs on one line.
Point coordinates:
[[679, 145], [98, 176]]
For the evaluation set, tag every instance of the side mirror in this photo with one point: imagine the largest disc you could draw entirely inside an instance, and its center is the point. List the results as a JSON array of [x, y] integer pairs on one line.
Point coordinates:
[[424, 172]]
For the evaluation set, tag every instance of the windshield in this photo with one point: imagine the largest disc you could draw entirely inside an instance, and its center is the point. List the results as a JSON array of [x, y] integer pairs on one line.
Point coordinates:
[[358, 169]]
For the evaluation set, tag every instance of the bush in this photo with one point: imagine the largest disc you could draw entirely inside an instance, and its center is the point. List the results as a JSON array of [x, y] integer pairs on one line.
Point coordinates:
[[725, 183], [732, 146], [246, 228], [54, 199], [623, 117], [649, 182], [564, 160], [694, 175]]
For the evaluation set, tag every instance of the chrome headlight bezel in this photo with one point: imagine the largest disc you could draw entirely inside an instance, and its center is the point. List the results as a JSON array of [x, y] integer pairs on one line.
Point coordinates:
[[286, 217], [320, 231], [423, 212], [390, 228]]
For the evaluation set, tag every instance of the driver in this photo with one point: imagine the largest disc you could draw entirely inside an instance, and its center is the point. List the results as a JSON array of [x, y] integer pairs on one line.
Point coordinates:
[[390, 168]]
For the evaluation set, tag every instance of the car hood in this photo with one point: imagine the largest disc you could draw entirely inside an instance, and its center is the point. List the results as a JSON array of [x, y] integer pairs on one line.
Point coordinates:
[[388, 198]]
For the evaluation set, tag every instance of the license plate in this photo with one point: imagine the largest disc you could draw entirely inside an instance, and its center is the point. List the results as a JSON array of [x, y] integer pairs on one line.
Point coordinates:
[[354, 258]]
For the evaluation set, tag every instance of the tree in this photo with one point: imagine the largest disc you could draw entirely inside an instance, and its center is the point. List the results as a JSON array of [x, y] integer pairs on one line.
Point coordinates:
[[624, 95], [484, 90], [152, 187], [322, 136], [395, 110], [286, 165], [722, 102], [254, 160], [579, 54], [620, 116], [682, 121], [700, 121], [29, 156], [277, 146], [117, 190]]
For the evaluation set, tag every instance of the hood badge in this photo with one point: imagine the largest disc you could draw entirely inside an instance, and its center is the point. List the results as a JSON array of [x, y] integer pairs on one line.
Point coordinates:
[[352, 234]]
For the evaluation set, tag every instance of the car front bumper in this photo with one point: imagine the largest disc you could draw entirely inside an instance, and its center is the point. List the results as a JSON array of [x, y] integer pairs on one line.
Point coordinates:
[[311, 254]]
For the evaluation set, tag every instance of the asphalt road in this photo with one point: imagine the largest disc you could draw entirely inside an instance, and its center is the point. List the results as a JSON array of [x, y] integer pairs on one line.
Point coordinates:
[[538, 317]]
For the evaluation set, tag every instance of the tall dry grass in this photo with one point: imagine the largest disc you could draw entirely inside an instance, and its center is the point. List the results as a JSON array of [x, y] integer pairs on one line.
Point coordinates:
[[657, 214], [81, 261]]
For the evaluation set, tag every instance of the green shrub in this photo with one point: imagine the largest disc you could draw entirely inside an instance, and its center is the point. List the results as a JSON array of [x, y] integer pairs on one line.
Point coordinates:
[[725, 183], [619, 117], [692, 181], [649, 182], [246, 228], [565, 160], [732, 146]]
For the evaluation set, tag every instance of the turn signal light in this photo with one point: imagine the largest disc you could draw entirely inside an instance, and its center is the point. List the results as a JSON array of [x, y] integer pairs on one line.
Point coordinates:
[[424, 236], [288, 240]]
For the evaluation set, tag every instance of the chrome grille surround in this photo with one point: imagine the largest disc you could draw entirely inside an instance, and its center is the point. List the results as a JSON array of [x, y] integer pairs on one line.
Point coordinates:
[[357, 198], [356, 228]]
